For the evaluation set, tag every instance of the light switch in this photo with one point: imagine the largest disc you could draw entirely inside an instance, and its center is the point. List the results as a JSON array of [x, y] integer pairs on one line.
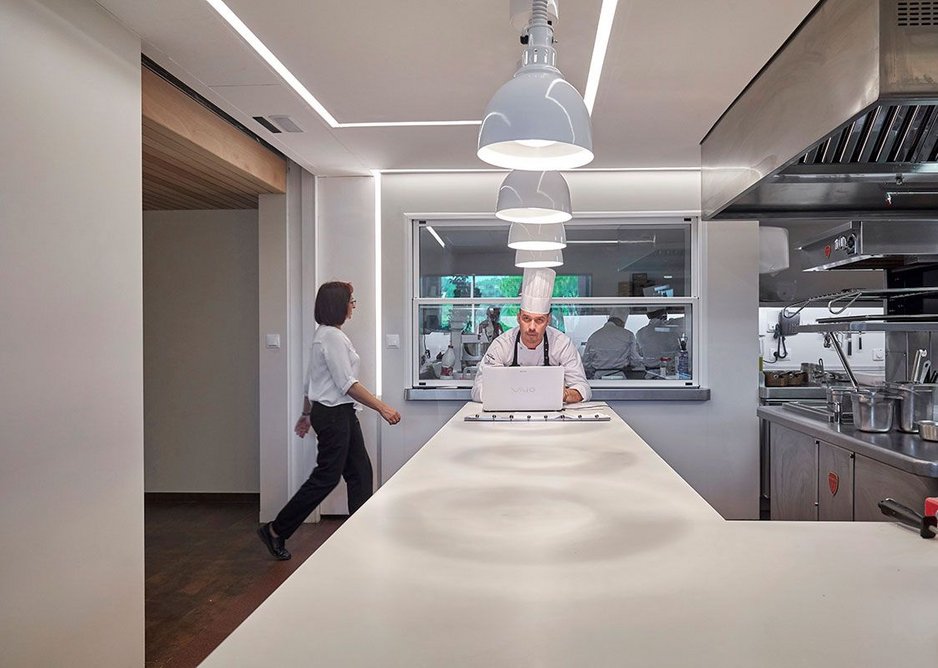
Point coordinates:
[[392, 340], [273, 340], [879, 354]]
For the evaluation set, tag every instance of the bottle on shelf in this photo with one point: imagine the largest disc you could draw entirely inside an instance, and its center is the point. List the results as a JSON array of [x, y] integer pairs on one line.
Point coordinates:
[[683, 360], [449, 360]]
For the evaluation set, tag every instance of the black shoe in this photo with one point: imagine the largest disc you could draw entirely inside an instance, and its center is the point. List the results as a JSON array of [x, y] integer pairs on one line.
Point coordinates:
[[274, 543]]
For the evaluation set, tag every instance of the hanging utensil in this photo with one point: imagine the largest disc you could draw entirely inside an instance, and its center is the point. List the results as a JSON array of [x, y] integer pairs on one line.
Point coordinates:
[[924, 372], [917, 364]]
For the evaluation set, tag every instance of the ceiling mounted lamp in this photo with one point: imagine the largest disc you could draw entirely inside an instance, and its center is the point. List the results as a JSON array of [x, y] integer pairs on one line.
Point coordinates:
[[538, 259], [534, 197], [537, 121], [523, 236]]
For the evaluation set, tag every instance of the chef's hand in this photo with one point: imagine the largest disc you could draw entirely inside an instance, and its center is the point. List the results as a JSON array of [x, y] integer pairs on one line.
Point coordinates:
[[302, 426], [571, 396], [390, 415]]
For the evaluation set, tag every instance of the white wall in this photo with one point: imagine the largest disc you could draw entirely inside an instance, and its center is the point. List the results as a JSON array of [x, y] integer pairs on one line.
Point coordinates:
[[346, 252], [200, 338], [721, 462], [71, 339]]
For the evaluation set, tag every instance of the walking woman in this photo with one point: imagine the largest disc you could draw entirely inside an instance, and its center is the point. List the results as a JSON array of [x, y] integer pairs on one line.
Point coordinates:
[[329, 407]]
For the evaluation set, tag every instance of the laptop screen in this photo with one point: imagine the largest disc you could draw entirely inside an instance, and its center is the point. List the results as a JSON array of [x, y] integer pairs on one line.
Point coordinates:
[[522, 388]]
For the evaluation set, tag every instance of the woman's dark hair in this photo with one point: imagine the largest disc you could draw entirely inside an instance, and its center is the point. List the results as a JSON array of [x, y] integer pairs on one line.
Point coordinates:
[[332, 302]]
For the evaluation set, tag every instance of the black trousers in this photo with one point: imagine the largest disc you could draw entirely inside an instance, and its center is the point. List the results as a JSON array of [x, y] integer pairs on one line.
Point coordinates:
[[341, 454]]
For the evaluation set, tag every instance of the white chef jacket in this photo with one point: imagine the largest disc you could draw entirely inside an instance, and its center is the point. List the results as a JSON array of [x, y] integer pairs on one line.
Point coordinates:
[[658, 339], [561, 352], [611, 347], [333, 367]]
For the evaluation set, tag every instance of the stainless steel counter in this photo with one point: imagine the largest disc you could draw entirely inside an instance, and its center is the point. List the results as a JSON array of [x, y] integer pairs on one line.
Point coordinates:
[[792, 393], [906, 452]]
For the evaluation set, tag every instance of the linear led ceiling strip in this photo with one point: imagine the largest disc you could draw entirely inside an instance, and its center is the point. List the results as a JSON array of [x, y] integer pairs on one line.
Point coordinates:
[[603, 30]]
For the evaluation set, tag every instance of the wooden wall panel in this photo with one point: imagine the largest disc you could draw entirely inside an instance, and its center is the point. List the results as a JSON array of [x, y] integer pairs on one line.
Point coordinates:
[[194, 159]]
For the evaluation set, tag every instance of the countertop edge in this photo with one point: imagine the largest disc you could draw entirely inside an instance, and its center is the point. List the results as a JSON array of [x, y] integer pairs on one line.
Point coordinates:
[[826, 432], [599, 394]]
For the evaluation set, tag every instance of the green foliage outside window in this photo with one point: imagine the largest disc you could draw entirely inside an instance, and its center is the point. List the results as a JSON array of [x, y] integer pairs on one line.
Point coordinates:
[[464, 286]]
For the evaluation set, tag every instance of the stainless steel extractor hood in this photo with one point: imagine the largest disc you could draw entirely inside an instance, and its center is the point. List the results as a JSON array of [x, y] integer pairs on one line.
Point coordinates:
[[842, 122], [877, 244]]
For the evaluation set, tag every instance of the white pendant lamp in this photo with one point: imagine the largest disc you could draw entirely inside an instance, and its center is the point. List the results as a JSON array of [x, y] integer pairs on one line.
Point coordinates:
[[538, 259], [524, 236], [537, 121], [534, 197]]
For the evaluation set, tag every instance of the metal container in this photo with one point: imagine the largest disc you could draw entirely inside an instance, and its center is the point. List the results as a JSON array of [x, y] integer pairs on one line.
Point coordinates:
[[873, 410], [929, 429], [916, 403], [838, 402]]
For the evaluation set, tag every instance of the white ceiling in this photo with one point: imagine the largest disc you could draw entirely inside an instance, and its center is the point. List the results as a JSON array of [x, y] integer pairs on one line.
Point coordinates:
[[673, 66]]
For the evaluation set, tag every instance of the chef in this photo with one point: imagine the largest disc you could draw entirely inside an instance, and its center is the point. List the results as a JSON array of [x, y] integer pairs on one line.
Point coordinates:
[[658, 338], [534, 343], [613, 349]]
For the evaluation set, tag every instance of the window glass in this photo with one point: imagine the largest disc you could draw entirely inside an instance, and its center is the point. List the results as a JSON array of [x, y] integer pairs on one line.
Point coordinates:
[[651, 342], [610, 260], [624, 295]]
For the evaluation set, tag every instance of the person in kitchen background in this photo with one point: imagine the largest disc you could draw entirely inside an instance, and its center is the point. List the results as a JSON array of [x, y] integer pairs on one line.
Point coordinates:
[[491, 327], [659, 338], [534, 343], [613, 349], [329, 408]]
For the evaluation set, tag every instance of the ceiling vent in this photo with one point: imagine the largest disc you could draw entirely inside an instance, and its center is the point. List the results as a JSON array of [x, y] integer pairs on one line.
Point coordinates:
[[278, 124], [917, 14]]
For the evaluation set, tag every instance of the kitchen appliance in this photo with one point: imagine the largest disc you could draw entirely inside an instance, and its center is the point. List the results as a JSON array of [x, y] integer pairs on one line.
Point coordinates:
[[842, 122], [873, 244]]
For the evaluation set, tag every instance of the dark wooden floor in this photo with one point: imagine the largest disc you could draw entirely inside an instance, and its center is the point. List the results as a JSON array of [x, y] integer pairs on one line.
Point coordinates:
[[206, 571]]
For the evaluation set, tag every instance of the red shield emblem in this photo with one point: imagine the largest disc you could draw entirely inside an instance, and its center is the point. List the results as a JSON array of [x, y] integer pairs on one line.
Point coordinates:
[[833, 481], [827, 250]]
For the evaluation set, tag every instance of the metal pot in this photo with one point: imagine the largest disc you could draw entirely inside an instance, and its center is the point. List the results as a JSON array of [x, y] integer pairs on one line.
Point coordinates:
[[873, 410], [929, 429], [916, 404]]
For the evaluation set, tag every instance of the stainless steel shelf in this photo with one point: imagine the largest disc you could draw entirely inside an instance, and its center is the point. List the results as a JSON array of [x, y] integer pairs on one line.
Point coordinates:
[[871, 327]]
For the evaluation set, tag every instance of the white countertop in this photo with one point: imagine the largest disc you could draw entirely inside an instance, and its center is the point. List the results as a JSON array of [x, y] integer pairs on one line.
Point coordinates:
[[574, 544]]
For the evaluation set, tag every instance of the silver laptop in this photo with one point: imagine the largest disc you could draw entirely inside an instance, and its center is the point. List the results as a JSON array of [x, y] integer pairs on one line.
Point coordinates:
[[522, 388]]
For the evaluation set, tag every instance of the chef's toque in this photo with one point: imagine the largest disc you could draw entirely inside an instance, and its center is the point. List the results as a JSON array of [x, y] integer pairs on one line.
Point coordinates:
[[536, 290]]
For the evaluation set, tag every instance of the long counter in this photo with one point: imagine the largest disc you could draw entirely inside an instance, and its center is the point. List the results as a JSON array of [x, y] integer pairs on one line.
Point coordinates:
[[573, 544]]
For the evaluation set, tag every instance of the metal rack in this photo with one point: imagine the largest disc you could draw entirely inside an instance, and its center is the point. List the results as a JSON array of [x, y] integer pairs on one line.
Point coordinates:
[[870, 326]]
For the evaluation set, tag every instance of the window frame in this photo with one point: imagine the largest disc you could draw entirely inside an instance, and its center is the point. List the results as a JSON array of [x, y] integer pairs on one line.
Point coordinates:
[[666, 219]]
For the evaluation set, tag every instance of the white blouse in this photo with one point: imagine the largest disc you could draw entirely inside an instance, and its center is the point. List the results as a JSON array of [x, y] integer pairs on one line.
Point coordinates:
[[333, 367]]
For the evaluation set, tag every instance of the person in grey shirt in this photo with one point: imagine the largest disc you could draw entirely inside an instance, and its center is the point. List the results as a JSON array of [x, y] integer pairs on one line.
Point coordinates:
[[613, 348]]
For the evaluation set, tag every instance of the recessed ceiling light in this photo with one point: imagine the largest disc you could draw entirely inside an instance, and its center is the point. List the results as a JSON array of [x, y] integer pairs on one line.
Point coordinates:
[[435, 236], [603, 31], [600, 45]]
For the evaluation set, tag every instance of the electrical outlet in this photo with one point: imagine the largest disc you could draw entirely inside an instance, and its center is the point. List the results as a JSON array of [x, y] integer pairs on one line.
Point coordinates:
[[879, 354]]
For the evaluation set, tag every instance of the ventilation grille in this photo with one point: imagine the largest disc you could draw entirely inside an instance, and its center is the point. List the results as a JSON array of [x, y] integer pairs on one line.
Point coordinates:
[[278, 124], [886, 134], [917, 13]]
